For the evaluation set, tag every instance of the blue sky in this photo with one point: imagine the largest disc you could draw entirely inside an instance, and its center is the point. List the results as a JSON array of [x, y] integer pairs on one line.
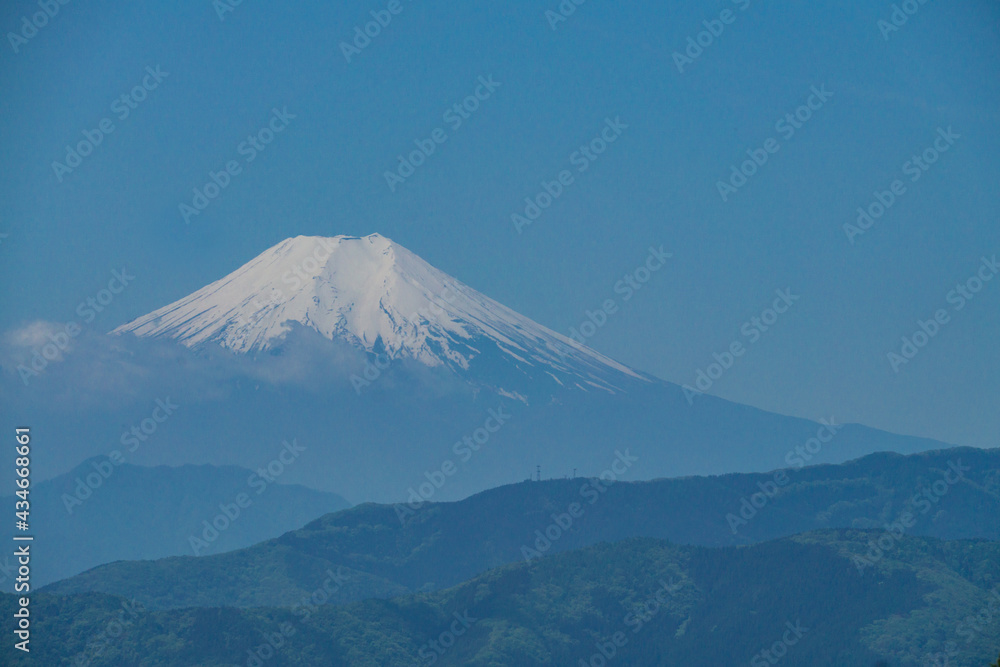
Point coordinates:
[[657, 184]]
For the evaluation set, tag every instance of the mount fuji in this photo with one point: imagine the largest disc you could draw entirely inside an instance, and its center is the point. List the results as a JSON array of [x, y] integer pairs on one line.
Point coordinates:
[[400, 384], [382, 299]]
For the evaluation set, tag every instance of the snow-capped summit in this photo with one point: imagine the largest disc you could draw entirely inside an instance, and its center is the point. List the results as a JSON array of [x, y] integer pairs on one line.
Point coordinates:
[[380, 297]]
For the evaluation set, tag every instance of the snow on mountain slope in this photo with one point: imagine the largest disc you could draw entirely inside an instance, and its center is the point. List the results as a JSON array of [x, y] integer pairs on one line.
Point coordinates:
[[379, 297]]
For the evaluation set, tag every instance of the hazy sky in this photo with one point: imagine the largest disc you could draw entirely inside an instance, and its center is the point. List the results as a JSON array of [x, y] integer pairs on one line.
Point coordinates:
[[656, 184]]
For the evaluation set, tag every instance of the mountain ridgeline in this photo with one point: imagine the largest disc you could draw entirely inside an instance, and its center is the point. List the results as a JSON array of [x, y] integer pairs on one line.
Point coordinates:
[[801, 601], [389, 549], [104, 511]]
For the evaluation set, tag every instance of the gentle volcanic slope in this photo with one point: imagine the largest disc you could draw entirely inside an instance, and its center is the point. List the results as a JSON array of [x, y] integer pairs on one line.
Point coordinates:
[[381, 298]]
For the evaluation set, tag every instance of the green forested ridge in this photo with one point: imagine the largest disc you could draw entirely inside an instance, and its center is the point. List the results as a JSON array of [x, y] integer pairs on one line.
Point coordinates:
[[443, 544], [719, 606]]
